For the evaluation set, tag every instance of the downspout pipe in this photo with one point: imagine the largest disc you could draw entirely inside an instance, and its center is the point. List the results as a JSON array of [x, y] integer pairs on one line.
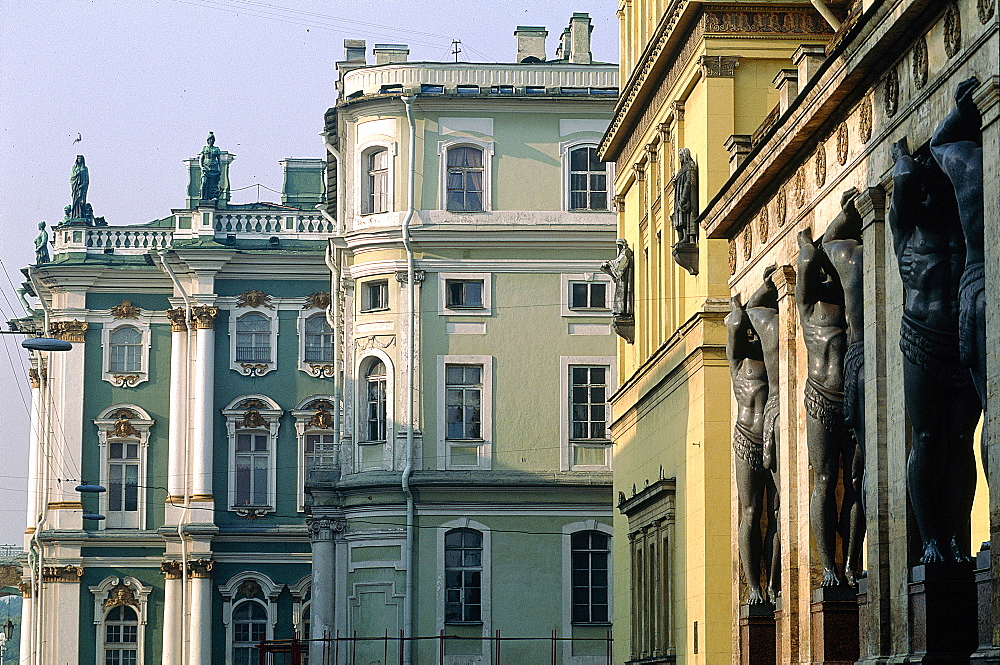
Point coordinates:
[[335, 151], [411, 318], [333, 318]]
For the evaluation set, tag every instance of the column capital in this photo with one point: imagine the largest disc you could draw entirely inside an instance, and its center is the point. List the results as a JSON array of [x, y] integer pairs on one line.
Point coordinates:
[[718, 66], [323, 527], [204, 316], [200, 568], [178, 319], [25, 589], [35, 378], [70, 331], [61, 573], [172, 570]]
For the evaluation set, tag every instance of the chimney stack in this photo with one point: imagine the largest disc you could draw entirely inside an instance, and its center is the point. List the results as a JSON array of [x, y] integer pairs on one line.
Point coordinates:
[[389, 54], [530, 43], [354, 50], [579, 39]]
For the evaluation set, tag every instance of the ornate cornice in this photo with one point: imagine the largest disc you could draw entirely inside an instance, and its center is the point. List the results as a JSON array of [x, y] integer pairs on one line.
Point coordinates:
[[178, 319], [204, 316], [70, 331]]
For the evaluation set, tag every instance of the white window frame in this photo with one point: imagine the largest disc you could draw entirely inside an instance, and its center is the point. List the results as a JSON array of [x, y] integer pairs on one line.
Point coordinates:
[[565, 444], [323, 370], [485, 461], [361, 412], [254, 368], [564, 155], [105, 430], [361, 173], [567, 586], [271, 414], [102, 592], [230, 600], [126, 379], [485, 277], [303, 414], [301, 601], [566, 294], [487, 147], [485, 592]]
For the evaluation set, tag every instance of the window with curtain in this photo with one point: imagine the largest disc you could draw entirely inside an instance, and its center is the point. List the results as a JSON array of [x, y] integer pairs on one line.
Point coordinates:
[[463, 574], [465, 179], [253, 338], [319, 340], [376, 195], [126, 350], [588, 180], [121, 636], [123, 484]]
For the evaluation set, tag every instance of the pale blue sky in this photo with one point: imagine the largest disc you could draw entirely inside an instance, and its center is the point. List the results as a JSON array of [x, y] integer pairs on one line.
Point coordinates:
[[143, 82]]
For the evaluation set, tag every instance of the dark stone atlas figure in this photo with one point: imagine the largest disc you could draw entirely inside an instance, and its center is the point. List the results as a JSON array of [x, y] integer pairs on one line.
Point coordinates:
[[842, 246], [957, 147], [211, 169], [753, 365], [940, 398], [79, 181], [820, 300], [621, 269], [685, 250]]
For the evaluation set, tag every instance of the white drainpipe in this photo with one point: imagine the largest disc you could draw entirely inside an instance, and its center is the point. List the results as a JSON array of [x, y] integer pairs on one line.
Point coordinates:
[[333, 318], [335, 151]]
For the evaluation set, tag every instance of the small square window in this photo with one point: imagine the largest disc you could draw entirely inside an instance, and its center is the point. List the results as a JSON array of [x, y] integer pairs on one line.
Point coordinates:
[[464, 293], [588, 295], [375, 296]]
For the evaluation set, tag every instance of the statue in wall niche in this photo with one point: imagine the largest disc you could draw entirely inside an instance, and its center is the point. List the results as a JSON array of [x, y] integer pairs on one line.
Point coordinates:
[[79, 181], [754, 456], [622, 269], [211, 169], [42, 245], [938, 391], [957, 147], [820, 301], [685, 250], [842, 245]]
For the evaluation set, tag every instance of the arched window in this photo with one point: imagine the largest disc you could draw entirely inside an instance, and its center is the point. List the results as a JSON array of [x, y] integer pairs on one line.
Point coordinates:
[[319, 339], [590, 554], [588, 180], [465, 179], [376, 194], [463, 576], [126, 350], [253, 338], [121, 636], [375, 402], [249, 630]]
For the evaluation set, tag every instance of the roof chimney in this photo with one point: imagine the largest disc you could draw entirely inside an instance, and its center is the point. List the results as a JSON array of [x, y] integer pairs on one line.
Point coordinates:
[[579, 38], [388, 54], [354, 50], [562, 51], [530, 43]]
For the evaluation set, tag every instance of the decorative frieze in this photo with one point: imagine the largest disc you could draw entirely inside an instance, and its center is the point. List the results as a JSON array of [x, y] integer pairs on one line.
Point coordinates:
[[178, 319], [69, 331], [61, 573], [125, 310], [204, 316], [746, 21], [255, 299]]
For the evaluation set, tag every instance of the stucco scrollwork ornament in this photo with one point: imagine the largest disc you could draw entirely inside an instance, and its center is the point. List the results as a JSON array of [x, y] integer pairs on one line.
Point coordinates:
[[125, 380], [374, 342], [322, 370], [622, 271], [251, 514], [418, 276], [890, 92], [685, 250], [952, 30], [985, 8], [865, 119], [780, 210], [747, 242], [254, 369], [204, 316], [125, 310], [317, 300], [920, 62], [820, 165], [843, 143], [120, 594], [320, 420], [255, 299], [123, 429], [252, 420], [732, 256], [178, 319]]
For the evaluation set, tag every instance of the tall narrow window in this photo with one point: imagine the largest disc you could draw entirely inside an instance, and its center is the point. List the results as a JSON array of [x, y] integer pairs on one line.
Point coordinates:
[[464, 385], [589, 412], [252, 462], [463, 576], [121, 636], [376, 198], [588, 180], [375, 402], [123, 484], [590, 554], [253, 338], [320, 451], [249, 630], [126, 350], [319, 340], [465, 179]]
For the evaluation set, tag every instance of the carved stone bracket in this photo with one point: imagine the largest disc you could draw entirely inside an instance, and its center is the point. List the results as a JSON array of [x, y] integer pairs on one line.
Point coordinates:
[[718, 66], [871, 205], [204, 316], [323, 528], [322, 370], [254, 369], [125, 380], [418, 276], [69, 331], [178, 319], [686, 256], [61, 573], [624, 327], [125, 310]]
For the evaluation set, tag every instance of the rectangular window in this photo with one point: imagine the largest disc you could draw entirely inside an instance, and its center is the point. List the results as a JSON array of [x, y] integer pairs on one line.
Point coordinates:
[[588, 295], [464, 293], [251, 468], [464, 391], [588, 403], [123, 485], [375, 296], [590, 554], [463, 576], [465, 179], [377, 196], [588, 180]]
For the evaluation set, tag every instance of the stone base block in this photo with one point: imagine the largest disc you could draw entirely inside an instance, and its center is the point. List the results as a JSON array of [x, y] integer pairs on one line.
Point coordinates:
[[943, 612], [834, 615], [757, 641], [986, 653]]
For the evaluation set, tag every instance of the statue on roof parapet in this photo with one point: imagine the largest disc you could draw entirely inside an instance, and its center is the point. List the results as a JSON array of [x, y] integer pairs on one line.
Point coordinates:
[[211, 169], [42, 245]]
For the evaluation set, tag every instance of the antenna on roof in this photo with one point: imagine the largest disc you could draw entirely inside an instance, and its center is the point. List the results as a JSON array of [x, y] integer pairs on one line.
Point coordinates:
[[456, 48]]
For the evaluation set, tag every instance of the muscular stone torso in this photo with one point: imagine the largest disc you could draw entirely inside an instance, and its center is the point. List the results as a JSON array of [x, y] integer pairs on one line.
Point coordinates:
[[750, 389], [825, 340], [929, 265]]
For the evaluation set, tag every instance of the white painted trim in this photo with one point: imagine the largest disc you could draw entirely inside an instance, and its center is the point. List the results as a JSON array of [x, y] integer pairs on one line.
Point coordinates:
[[485, 592], [486, 413], [271, 415], [315, 369], [141, 592], [110, 325], [272, 316], [567, 587], [361, 362], [564, 150], [487, 147], [565, 447], [564, 293], [105, 427], [485, 310]]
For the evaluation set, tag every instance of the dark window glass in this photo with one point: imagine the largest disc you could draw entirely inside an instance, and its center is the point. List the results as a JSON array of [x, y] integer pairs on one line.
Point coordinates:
[[249, 630], [377, 184], [465, 179], [375, 402], [464, 293], [463, 567], [252, 462], [588, 402], [463, 401], [588, 180], [126, 350], [319, 340], [375, 296], [253, 338], [588, 295], [590, 551]]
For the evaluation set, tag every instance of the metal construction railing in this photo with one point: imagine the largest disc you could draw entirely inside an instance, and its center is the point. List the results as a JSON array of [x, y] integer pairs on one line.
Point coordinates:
[[337, 650]]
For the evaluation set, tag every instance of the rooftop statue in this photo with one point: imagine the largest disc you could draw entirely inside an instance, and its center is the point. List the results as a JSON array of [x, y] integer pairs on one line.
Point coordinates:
[[42, 245], [938, 391], [79, 182], [211, 169]]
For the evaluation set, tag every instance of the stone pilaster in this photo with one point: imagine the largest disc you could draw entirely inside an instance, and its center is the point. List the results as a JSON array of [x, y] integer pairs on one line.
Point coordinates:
[[323, 530], [63, 442], [177, 434], [200, 610], [203, 386]]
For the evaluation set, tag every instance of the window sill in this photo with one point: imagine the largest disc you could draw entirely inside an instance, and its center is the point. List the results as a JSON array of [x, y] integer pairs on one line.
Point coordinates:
[[595, 624], [586, 210], [377, 309], [463, 623], [371, 443]]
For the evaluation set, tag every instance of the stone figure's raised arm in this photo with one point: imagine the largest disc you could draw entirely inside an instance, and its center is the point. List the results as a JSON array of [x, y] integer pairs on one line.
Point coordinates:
[[847, 224], [809, 270]]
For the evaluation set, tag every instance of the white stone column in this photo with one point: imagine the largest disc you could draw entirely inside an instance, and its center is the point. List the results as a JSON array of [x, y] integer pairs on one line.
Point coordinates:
[[178, 423], [65, 443], [172, 612], [60, 621], [27, 651], [36, 376], [322, 530], [200, 612], [203, 387]]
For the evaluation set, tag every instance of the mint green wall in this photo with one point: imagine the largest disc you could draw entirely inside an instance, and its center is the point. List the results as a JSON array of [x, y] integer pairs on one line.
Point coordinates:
[[90, 633]]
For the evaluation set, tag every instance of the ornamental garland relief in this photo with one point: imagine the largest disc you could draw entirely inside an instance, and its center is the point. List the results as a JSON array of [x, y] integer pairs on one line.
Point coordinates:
[[919, 62], [843, 143], [780, 212], [747, 242], [890, 92], [762, 225], [732, 256], [952, 30], [820, 164], [865, 120], [985, 9]]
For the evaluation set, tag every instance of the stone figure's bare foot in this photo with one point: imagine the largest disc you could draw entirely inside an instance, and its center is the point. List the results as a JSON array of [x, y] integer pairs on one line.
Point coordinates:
[[850, 577], [756, 596], [932, 553], [830, 578], [773, 593], [957, 553]]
